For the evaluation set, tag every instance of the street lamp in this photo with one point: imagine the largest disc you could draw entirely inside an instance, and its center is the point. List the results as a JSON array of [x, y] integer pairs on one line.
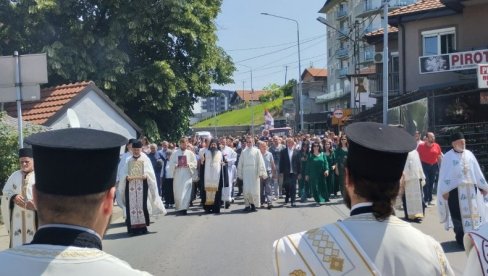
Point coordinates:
[[250, 101], [299, 65]]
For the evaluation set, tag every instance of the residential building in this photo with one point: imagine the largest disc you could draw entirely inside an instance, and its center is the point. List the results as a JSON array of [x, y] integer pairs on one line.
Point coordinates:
[[80, 104], [440, 44], [247, 96], [350, 59], [314, 85], [218, 103]]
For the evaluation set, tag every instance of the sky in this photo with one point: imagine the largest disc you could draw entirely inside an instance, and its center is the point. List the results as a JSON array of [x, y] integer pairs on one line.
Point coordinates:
[[268, 44]]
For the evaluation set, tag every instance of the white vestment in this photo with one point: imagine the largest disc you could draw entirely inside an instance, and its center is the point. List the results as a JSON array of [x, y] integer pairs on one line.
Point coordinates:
[[20, 222], [123, 160], [182, 178], [462, 171], [342, 248], [251, 168], [155, 205], [231, 157], [213, 169], [475, 243], [413, 176], [43, 259]]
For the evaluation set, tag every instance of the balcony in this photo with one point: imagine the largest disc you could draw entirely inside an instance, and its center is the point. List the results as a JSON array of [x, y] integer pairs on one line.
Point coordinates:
[[341, 13], [342, 72], [368, 8], [332, 95], [342, 53], [342, 33], [376, 85]]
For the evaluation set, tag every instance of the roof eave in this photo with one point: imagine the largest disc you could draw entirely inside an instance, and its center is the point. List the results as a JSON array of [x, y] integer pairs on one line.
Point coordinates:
[[396, 20]]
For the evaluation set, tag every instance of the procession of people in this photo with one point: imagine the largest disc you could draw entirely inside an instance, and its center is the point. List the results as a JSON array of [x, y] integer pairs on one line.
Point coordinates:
[[275, 170]]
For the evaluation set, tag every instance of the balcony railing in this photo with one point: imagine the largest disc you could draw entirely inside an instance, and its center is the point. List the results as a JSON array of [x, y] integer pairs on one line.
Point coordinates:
[[341, 14], [342, 72], [367, 8], [376, 85], [342, 53], [342, 33]]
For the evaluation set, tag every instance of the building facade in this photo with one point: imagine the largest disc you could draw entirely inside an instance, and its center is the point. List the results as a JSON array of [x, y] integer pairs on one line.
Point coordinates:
[[350, 59]]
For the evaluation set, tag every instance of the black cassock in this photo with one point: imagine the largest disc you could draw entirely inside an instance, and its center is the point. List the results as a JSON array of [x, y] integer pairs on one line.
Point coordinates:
[[132, 227], [223, 182]]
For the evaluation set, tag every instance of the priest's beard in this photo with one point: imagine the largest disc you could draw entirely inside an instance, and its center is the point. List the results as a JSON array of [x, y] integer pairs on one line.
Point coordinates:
[[459, 148], [347, 198], [213, 151]]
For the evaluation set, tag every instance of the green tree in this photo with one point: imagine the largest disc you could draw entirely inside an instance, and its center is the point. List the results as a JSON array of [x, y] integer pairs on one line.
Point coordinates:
[[9, 147], [153, 58]]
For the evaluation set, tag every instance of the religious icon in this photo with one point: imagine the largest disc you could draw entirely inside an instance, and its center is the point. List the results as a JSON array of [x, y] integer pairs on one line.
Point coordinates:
[[136, 168], [182, 161]]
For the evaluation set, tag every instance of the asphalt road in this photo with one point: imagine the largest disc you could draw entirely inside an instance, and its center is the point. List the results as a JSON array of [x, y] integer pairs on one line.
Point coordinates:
[[237, 243], [234, 243]]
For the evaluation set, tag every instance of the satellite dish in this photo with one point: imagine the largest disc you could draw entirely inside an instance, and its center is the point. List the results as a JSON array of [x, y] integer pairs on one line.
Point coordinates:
[[72, 118]]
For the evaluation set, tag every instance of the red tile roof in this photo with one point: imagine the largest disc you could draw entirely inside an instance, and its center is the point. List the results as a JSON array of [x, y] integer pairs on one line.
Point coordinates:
[[52, 100], [423, 5], [379, 31], [247, 95], [317, 72]]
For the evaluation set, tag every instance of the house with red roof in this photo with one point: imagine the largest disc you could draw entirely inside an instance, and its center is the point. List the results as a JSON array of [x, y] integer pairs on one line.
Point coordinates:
[[80, 104]]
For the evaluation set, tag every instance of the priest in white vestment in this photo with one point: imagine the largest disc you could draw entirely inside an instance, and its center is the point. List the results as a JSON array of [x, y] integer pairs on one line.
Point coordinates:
[[74, 193], [230, 157], [214, 177], [123, 159], [18, 210], [461, 189], [138, 190], [411, 187], [183, 164], [372, 241], [475, 243], [251, 169]]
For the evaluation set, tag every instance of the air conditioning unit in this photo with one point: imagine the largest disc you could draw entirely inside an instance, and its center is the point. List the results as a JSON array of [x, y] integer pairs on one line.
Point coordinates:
[[378, 57]]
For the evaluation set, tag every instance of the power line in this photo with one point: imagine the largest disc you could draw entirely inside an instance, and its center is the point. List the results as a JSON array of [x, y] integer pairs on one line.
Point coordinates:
[[272, 46]]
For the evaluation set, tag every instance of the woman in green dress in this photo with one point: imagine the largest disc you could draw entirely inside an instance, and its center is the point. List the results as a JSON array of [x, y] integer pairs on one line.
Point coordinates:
[[341, 157], [317, 171], [331, 160], [303, 187]]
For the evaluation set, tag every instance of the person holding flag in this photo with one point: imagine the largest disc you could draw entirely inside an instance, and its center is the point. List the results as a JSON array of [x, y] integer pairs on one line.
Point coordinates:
[[268, 120]]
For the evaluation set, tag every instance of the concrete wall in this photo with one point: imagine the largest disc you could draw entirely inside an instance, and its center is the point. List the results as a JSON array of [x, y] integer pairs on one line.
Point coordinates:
[[229, 130]]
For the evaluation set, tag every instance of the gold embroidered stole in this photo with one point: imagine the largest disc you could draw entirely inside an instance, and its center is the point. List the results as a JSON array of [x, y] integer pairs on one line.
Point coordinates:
[[329, 250]]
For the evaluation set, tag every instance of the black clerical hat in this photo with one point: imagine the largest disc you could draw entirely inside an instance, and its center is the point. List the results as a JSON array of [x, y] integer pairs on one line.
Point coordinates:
[[137, 144], [132, 141], [75, 161], [456, 136], [25, 152], [378, 152]]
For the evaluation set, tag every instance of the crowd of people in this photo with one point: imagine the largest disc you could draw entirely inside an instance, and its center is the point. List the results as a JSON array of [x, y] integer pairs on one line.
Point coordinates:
[[370, 166]]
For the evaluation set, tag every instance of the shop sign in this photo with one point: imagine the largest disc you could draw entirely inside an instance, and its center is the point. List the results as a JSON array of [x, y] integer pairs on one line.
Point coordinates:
[[453, 61]]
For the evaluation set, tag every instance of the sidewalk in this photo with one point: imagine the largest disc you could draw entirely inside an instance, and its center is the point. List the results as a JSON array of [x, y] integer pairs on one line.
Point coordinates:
[[4, 239]]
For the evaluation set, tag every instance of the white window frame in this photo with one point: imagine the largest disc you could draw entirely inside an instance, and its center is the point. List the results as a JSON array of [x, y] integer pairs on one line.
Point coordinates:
[[438, 33]]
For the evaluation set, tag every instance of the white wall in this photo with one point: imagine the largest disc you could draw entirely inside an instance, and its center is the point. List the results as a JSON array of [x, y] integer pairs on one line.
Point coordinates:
[[94, 112]]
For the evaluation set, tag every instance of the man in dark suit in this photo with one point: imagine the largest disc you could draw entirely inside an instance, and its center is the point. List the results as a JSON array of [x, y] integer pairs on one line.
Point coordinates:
[[290, 169]]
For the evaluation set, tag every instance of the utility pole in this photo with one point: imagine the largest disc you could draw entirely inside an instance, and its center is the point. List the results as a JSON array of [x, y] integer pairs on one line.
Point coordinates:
[[286, 72], [385, 62]]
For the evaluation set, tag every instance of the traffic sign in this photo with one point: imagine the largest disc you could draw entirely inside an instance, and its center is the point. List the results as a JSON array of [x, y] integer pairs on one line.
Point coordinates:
[[338, 113]]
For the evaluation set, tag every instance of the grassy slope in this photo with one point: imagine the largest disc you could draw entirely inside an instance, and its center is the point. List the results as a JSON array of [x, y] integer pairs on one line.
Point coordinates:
[[242, 116]]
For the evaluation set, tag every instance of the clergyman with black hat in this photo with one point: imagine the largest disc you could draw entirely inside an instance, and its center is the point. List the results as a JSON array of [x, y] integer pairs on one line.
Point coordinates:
[[73, 192], [460, 190], [215, 176], [367, 242], [123, 159], [18, 210], [138, 190]]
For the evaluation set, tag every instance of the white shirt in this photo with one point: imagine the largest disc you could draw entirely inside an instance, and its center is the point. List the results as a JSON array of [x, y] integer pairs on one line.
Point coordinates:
[[290, 155]]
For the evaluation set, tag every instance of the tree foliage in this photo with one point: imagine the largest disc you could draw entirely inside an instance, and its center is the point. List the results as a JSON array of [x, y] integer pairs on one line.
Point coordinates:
[[275, 91], [153, 58], [9, 161]]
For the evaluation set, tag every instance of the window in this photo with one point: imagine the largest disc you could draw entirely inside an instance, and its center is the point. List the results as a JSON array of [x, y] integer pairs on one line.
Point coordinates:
[[441, 41]]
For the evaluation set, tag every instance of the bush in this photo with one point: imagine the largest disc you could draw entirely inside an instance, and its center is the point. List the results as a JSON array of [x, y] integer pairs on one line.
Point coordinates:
[[9, 147]]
